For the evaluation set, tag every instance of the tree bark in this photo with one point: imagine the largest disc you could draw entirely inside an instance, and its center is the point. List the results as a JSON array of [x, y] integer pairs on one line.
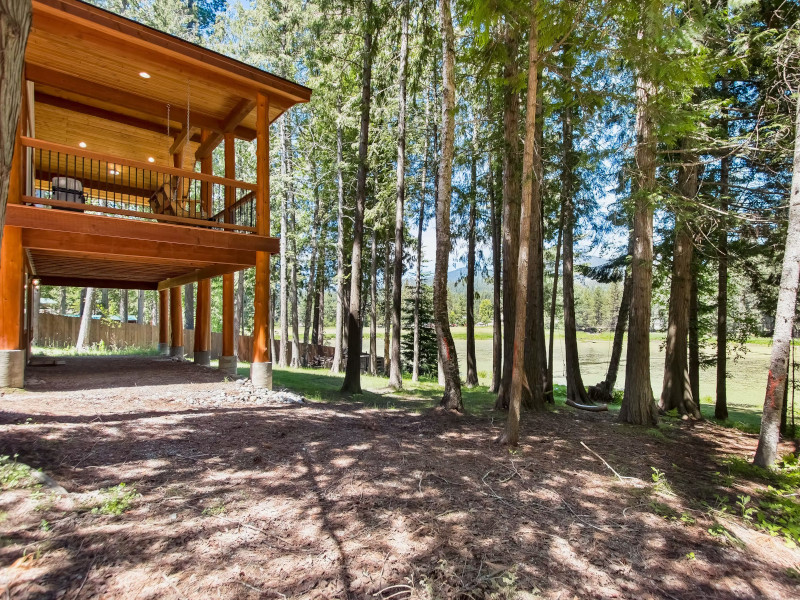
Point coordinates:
[[420, 225], [387, 307], [63, 304], [295, 362], [352, 379], [721, 405], [283, 345], [338, 352], [638, 406], [767, 450], [553, 297], [472, 365], [123, 306], [188, 306], [86, 319], [530, 227], [511, 209], [395, 368], [15, 25], [312, 275], [694, 338], [140, 308], [576, 391], [238, 312], [373, 309], [451, 399], [497, 338], [606, 386], [676, 393]]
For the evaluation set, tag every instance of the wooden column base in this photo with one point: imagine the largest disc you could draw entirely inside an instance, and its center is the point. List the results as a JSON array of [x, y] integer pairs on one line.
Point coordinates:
[[261, 375], [12, 368], [202, 358], [228, 364]]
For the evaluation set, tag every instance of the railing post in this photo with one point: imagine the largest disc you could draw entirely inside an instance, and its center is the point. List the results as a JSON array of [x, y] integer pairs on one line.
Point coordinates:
[[261, 367]]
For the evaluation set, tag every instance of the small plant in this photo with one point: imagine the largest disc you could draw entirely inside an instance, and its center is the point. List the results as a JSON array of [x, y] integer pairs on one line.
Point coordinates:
[[13, 474], [116, 500], [215, 510], [44, 525], [691, 556], [742, 501], [660, 482]]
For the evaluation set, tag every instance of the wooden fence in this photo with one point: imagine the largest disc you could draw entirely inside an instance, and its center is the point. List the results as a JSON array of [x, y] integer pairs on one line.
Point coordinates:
[[60, 331]]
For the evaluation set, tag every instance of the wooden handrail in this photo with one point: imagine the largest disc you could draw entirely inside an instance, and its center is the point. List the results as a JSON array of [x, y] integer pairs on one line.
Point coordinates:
[[53, 147], [75, 206], [240, 202]]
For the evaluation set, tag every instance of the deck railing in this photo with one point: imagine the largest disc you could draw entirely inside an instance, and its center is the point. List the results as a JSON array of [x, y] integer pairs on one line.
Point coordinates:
[[70, 178]]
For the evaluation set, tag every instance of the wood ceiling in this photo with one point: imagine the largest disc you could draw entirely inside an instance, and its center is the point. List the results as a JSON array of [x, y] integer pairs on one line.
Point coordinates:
[[83, 59]]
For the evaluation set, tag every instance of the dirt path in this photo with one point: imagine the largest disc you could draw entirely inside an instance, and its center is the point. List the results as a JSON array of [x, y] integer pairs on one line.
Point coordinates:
[[245, 500]]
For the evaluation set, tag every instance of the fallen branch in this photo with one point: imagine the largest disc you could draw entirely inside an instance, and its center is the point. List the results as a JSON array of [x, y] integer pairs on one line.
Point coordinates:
[[620, 477], [589, 407]]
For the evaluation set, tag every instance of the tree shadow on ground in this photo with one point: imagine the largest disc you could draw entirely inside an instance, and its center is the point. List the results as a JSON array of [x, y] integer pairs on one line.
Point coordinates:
[[338, 500]]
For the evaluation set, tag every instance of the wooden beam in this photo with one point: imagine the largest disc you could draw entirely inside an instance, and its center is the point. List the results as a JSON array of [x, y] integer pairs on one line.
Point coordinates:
[[12, 274], [31, 217], [99, 246], [243, 108], [206, 273], [121, 284], [123, 99], [171, 51], [180, 142], [156, 126], [261, 349]]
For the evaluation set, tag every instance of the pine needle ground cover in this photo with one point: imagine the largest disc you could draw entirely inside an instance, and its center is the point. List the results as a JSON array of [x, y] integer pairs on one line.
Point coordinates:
[[370, 496]]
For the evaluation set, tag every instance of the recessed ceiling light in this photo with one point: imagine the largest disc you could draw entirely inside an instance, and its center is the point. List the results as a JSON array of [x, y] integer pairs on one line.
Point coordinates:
[[144, 74], [82, 144], [151, 159]]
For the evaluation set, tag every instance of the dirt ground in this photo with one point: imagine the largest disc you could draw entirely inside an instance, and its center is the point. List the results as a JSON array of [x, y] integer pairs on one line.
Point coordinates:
[[239, 499]]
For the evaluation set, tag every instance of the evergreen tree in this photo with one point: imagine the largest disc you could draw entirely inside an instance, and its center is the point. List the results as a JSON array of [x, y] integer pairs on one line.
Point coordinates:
[[427, 332]]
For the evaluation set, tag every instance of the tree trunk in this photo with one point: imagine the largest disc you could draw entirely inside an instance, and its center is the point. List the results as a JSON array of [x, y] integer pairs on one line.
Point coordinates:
[[338, 352], [677, 390], [283, 345], [15, 24], [104, 301], [451, 399], [721, 405], [530, 227], [140, 308], [373, 309], [553, 297], [576, 391], [694, 338], [497, 338], [63, 306], [188, 306], [387, 307], [238, 312], [86, 320], [535, 348], [420, 225], [319, 321], [638, 406], [352, 378], [767, 450], [511, 209], [395, 368], [606, 387], [472, 366], [123, 305], [295, 362], [312, 275]]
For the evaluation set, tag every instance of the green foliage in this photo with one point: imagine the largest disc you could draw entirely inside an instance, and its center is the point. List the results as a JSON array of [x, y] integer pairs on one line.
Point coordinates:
[[115, 500], [428, 352], [14, 474]]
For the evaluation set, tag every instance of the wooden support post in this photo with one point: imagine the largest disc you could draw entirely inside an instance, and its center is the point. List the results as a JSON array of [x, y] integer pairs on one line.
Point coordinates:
[[202, 327], [261, 367], [228, 360], [163, 322], [12, 286], [176, 319]]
